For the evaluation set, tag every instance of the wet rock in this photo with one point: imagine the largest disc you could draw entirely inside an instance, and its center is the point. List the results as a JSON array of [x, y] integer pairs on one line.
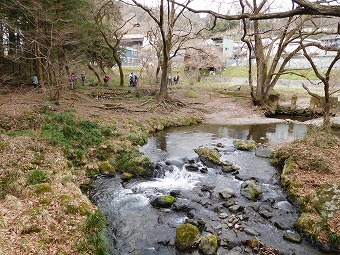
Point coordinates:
[[245, 145], [282, 224], [256, 206], [251, 190], [207, 187], [251, 232], [228, 203], [236, 208], [175, 193], [208, 156], [229, 239], [228, 167], [204, 170], [220, 145], [192, 167], [285, 206], [227, 193], [208, 244], [266, 212], [223, 215], [181, 207], [187, 236], [292, 237], [235, 251], [163, 201]]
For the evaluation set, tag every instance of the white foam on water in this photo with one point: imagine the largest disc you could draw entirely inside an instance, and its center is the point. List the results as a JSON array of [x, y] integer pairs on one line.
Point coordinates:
[[176, 179]]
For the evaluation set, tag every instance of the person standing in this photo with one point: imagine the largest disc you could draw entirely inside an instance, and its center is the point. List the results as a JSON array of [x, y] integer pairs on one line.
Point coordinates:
[[131, 79], [135, 79], [106, 80], [176, 80], [83, 78], [35, 80], [72, 80]]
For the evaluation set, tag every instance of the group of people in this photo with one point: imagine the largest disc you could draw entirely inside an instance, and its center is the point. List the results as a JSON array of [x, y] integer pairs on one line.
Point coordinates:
[[174, 80], [133, 80], [72, 79]]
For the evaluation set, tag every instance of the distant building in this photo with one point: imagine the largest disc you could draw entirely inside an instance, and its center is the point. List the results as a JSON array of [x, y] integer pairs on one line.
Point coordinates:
[[130, 57], [133, 40], [331, 40]]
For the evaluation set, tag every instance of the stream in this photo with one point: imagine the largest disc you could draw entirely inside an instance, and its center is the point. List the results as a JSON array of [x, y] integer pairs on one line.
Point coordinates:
[[136, 227]]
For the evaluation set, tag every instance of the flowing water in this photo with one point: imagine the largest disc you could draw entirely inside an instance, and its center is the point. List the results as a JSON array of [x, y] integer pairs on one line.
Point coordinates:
[[136, 227]]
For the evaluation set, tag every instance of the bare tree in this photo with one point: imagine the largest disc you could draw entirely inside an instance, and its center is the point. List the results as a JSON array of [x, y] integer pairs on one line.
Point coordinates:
[[174, 28], [204, 58], [113, 28]]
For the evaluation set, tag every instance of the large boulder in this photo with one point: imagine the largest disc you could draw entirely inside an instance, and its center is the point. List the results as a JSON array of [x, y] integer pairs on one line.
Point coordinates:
[[209, 155], [163, 201], [187, 236], [208, 244], [245, 145]]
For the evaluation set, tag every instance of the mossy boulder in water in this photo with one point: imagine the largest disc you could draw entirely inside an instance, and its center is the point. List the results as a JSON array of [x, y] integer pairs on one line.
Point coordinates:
[[163, 201], [106, 168], [209, 155], [250, 190], [187, 236], [134, 163], [208, 244], [245, 145]]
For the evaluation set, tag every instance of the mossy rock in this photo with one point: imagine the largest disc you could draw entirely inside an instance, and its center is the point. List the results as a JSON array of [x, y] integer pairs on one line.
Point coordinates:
[[244, 145], [209, 155], [187, 236], [134, 163], [251, 190], [126, 176], [106, 168], [163, 201], [208, 244]]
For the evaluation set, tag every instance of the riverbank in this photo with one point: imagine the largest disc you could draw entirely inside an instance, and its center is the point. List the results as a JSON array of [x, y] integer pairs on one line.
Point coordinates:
[[42, 208]]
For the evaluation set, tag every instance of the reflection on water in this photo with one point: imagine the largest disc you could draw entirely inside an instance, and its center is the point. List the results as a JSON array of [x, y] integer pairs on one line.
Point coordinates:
[[180, 142]]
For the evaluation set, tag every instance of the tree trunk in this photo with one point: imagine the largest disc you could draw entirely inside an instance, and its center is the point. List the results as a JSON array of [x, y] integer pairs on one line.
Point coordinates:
[[119, 63], [163, 90], [95, 73], [327, 107], [38, 65]]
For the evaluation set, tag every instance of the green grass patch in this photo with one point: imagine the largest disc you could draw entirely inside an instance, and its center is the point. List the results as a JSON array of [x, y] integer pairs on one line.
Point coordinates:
[[73, 134], [95, 242], [37, 176]]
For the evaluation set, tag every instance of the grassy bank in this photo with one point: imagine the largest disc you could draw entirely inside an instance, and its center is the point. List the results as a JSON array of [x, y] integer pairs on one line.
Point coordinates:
[[46, 157], [311, 175]]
